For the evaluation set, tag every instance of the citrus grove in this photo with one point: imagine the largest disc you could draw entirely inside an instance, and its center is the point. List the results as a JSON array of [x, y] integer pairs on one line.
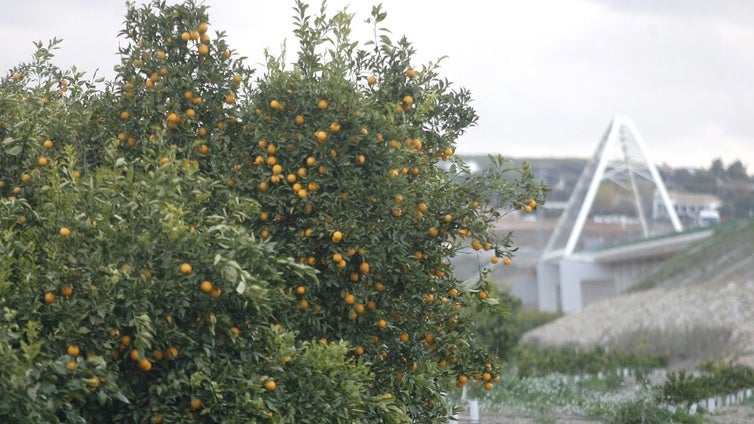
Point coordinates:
[[197, 240]]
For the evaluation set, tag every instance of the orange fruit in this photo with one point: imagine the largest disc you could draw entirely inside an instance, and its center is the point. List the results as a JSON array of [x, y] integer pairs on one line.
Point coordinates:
[[49, 297], [203, 49], [371, 80], [483, 295], [349, 299], [381, 323], [196, 403], [410, 73], [322, 104], [203, 27], [66, 291], [125, 115], [71, 366], [337, 236], [206, 286], [321, 136], [145, 364], [364, 267], [270, 385], [334, 127], [507, 261], [43, 161], [230, 99], [48, 144], [298, 120], [74, 350], [186, 268]]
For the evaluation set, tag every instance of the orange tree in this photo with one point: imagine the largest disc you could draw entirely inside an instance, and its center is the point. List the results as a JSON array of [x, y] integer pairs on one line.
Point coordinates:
[[131, 285], [188, 244], [343, 158]]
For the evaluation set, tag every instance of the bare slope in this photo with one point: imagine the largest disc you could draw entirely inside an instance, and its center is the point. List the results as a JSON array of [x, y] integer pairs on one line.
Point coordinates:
[[702, 309]]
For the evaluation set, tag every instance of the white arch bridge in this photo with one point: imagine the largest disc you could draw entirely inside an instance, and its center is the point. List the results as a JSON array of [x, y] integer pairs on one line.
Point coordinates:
[[579, 264]]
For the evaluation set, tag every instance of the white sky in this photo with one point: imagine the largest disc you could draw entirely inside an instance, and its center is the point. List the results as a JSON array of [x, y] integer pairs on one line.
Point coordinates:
[[546, 76]]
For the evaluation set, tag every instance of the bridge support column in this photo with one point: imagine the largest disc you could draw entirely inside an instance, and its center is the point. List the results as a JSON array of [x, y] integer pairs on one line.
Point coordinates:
[[548, 287]]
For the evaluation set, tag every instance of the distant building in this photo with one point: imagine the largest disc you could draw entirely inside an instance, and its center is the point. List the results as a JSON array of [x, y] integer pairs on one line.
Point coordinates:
[[693, 209]]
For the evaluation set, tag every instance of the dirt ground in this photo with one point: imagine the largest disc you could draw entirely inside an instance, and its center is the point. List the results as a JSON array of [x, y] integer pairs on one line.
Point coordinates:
[[727, 415]]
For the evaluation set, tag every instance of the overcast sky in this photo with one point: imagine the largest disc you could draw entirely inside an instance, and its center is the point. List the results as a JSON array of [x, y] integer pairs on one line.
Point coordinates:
[[546, 76]]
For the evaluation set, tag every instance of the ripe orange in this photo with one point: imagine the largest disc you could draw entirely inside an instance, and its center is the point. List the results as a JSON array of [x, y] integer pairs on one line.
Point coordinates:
[[507, 261], [371, 80], [298, 120], [381, 323], [43, 161], [66, 291], [48, 144], [321, 136], [145, 364], [270, 385], [206, 286], [49, 297], [483, 295], [349, 299], [185, 36], [334, 127], [364, 267], [203, 49], [171, 352], [203, 28], [25, 178], [322, 104], [337, 236], [71, 366], [93, 382], [74, 350], [186, 268], [408, 100], [276, 105], [196, 403], [16, 76], [410, 73], [359, 350], [125, 115]]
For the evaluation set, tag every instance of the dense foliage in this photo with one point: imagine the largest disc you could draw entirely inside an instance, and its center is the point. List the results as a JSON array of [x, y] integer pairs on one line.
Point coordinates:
[[196, 242]]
